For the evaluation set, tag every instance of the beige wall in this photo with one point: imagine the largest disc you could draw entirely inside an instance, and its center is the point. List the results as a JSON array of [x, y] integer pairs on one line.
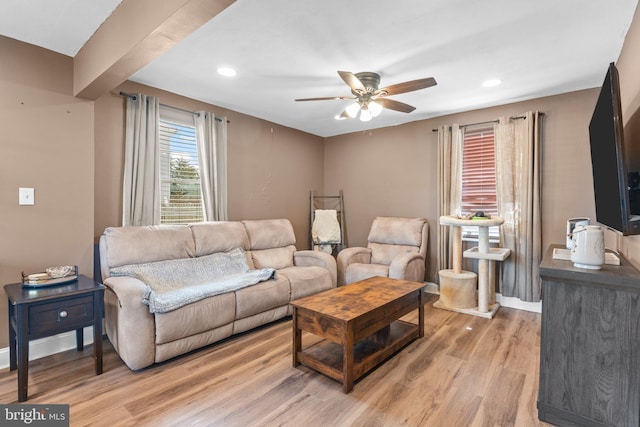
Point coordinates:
[[392, 171], [628, 65], [271, 168], [46, 143]]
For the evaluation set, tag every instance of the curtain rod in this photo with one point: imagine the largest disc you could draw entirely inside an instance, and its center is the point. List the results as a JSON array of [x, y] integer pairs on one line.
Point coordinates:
[[492, 121], [473, 124], [480, 123], [540, 113], [133, 96]]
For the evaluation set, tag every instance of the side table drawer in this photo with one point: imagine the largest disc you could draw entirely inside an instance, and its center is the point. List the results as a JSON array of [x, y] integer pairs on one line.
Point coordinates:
[[60, 316]]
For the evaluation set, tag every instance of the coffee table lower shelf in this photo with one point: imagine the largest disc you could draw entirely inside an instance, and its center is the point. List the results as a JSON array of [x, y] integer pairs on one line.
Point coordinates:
[[327, 357]]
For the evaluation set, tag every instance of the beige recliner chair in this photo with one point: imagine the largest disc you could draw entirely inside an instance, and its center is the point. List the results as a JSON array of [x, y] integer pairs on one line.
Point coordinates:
[[397, 248]]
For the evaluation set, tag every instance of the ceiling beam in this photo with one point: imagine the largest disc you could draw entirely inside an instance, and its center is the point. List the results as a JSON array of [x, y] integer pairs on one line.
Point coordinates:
[[137, 32]]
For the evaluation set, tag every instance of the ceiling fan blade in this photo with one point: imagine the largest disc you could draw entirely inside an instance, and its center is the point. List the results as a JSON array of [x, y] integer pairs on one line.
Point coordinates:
[[407, 86], [326, 98], [395, 105], [354, 83]]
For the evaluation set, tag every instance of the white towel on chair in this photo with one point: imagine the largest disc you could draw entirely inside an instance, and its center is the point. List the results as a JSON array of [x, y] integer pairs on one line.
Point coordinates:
[[325, 228]]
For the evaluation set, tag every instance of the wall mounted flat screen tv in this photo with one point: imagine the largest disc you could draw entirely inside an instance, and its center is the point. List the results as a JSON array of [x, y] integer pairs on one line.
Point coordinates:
[[608, 160]]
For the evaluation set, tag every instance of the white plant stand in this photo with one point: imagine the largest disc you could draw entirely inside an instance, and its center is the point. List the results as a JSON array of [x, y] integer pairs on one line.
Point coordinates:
[[456, 282]]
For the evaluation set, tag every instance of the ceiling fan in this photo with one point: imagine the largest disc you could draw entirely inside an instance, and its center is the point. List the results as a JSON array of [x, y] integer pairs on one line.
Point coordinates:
[[369, 99]]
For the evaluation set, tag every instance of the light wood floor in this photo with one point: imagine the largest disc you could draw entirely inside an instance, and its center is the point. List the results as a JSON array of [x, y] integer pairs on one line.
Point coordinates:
[[466, 371]]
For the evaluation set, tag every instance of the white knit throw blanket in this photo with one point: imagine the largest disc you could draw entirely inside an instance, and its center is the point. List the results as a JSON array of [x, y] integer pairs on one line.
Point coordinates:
[[174, 283]]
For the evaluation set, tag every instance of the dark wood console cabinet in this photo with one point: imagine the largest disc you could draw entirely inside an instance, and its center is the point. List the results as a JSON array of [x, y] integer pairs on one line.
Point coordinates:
[[589, 344]]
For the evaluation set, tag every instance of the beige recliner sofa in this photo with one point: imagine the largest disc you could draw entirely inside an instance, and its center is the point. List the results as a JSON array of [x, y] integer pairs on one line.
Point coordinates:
[[397, 248], [142, 338]]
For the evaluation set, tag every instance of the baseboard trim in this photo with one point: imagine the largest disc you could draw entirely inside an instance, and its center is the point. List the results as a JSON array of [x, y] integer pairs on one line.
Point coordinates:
[[49, 345], [508, 302], [517, 303]]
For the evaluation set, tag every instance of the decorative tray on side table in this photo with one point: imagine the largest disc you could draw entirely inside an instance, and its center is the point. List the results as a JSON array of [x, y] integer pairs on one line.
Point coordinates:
[[38, 280]]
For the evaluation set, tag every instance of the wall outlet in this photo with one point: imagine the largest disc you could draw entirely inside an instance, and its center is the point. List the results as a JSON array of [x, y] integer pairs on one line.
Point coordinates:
[[26, 196]]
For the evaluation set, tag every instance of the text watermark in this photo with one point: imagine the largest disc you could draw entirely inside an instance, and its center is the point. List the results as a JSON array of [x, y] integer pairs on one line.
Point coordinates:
[[34, 415]]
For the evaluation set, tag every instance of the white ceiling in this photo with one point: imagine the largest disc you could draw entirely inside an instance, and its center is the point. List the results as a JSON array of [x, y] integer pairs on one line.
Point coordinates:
[[285, 49], [60, 25]]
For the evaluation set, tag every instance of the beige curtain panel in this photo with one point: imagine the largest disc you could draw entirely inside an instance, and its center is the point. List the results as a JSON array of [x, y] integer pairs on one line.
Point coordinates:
[[141, 186], [518, 179], [449, 186], [211, 137]]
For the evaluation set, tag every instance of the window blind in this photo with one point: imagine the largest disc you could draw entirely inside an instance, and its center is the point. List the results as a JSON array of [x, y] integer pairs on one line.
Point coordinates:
[[479, 172], [180, 192]]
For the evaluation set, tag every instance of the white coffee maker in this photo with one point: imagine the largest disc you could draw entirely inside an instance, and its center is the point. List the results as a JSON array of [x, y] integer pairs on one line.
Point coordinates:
[[571, 225]]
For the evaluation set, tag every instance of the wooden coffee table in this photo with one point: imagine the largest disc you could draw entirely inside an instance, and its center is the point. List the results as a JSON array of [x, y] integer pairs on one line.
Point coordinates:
[[360, 325]]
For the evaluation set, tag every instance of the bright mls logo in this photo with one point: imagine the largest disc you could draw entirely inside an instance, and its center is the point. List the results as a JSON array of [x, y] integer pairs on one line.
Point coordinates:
[[34, 415]]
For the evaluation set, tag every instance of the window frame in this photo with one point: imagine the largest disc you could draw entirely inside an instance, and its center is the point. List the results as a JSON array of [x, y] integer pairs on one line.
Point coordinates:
[[475, 142], [183, 119]]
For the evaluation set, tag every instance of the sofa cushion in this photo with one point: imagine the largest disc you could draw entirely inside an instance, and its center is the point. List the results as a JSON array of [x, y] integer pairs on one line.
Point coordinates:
[[273, 258], [269, 233], [142, 244], [384, 254], [218, 236], [397, 231], [356, 272], [262, 297], [307, 280]]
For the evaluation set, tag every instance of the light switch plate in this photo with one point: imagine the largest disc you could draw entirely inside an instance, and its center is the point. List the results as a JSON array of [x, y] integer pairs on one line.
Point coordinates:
[[26, 196]]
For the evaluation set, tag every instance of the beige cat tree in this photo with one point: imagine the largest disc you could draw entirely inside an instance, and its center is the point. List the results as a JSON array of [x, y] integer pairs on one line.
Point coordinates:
[[458, 287]]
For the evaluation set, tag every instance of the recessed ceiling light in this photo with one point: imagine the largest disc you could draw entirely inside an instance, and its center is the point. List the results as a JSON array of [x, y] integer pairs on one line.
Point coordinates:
[[226, 71], [491, 83]]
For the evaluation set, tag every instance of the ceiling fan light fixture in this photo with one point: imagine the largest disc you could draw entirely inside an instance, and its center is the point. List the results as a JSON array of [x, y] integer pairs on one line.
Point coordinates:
[[352, 110], [375, 108], [370, 100], [365, 115]]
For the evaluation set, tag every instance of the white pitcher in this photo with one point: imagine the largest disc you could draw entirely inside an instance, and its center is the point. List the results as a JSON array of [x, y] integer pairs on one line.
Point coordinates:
[[588, 247]]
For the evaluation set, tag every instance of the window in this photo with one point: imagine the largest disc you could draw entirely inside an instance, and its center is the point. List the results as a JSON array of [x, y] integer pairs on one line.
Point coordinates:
[[180, 193], [479, 176]]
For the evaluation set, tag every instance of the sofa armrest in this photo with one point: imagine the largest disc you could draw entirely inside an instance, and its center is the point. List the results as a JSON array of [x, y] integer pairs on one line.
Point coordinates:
[[409, 266], [350, 256], [129, 325], [309, 258]]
